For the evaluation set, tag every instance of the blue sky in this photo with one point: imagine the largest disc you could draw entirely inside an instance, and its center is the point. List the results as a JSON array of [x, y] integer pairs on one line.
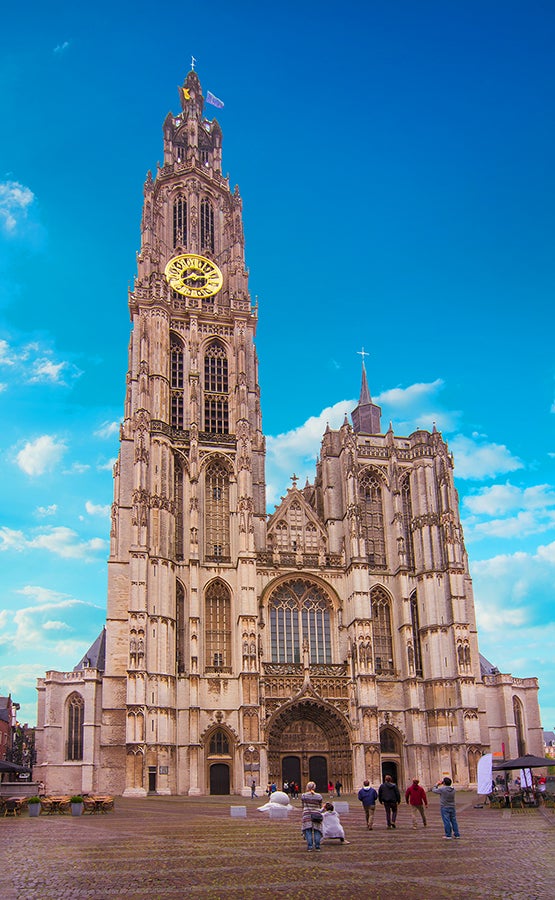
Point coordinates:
[[396, 166]]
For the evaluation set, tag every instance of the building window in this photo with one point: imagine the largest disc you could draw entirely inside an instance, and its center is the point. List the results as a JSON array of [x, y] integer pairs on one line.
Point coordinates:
[[370, 494], [415, 623], [381, 627], [75, 719], [299, 611], [219, 744], [216, 515], [179, 628], [216, 387], [178, 496], [407, 520], [519, 722], [176, 382], [206, 226], [180, 222], [218, 626]]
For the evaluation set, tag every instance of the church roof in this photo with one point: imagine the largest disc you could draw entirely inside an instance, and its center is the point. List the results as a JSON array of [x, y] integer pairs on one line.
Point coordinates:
[[95, 657], [487, 668]]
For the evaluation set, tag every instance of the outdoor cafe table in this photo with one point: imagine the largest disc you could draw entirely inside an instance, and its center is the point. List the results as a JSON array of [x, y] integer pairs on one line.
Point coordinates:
[[57, 805]]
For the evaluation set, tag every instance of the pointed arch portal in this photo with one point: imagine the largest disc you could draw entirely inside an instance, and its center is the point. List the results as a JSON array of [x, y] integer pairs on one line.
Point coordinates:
[[310, 738]]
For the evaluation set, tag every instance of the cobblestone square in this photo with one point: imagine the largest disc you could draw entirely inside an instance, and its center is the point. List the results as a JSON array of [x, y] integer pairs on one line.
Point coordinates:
[[176, 847]]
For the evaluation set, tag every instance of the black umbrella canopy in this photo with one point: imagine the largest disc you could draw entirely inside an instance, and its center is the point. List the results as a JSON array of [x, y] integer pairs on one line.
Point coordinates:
[[6, 766], [528, 761]]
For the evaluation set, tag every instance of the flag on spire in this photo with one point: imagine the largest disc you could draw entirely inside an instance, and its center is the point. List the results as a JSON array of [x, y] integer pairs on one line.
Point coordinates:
[[210, 98]]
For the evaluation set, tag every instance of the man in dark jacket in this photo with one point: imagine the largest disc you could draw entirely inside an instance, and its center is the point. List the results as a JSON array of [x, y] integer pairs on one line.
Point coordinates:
[[390, 796], [368, 796], [415, 795]]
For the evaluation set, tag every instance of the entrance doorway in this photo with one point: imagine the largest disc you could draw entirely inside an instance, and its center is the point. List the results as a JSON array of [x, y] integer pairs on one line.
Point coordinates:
[[318, 772], [152, 779], [390, 768], [291, 769], [219, 778]]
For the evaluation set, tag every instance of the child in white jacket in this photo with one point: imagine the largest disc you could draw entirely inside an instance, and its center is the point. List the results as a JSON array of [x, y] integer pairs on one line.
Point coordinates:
[[331, 825]]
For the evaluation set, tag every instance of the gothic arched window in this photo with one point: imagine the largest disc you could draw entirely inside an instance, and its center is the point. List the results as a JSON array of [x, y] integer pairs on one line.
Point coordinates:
[[75, 721], [299, 610], [407, 520], [389, 741], [519, 722], [178, 497], [180, 222], [383, 637], [206, 226], [216, 387], [179, 627], [219, 744], [176, 382], [371, 504], [216, 512], [415, 623], [217, 626]]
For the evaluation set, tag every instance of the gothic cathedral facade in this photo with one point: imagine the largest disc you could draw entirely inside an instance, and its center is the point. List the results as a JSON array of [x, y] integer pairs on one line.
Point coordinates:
[[334, 639]]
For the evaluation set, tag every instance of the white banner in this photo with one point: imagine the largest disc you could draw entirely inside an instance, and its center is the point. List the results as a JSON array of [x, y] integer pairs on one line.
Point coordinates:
[[485, 774]]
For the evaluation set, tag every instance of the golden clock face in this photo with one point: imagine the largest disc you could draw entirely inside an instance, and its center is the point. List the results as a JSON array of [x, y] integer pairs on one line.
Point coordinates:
[[193, 275]]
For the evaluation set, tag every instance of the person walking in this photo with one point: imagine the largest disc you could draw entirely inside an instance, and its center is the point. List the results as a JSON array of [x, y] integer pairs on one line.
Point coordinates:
[[390, 796], [311, 826], [415, 795], [368, 796], [447, 809], [253, 790], [338, 787]]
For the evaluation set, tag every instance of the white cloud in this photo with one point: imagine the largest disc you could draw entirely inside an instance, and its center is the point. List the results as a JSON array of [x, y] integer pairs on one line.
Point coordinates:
[[107, 466], [405, 399], [477, 459], [504, 498], [53, 625], [6, 356], [78, 468], [59, 540], [15, 199], [95, 509], [43, 511], [44, 370], [61, 48], [41, 455], [107, 429]]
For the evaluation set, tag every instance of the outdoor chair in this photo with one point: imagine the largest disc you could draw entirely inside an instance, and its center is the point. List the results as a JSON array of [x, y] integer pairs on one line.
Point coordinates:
[[11, 808]]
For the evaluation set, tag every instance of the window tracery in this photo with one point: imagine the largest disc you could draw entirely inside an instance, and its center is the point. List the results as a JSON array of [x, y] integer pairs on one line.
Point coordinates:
[[372, 520], [217, 607], [180, 222], [206, 226], [216, 515], [299, 610], [417, 646], [406, 504], [381, 627], [75, 727], [216, 388], [176, 382]]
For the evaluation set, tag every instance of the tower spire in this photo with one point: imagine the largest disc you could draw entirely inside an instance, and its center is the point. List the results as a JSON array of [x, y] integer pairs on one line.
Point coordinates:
[[367, 415]]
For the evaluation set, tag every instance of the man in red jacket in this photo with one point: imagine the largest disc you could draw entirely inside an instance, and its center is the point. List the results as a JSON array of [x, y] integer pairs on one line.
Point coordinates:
[[417, 800]]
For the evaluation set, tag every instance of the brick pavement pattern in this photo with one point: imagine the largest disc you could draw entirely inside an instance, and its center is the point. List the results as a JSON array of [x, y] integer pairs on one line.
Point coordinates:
[[176, 847]]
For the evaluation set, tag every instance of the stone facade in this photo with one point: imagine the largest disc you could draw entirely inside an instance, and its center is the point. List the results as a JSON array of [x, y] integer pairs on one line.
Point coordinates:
[[334, 639]]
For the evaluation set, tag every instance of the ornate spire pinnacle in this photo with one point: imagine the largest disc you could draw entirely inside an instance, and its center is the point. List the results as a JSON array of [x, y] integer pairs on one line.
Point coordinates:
[[367, 415]]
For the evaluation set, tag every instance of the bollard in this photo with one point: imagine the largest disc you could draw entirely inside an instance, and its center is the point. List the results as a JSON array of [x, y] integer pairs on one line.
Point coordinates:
[[278, 812], [238, 812]]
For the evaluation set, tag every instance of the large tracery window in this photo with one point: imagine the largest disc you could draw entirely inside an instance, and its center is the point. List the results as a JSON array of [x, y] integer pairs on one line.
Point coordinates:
[[216, 517], [176, 382], [415, 622], [75, 722], [216, 387], [217, 629], [370, 494], [180, 222], [219, 744], [519, 722], [206, 226], [407, 520], [383, 638], [299, 610], [180, 627]]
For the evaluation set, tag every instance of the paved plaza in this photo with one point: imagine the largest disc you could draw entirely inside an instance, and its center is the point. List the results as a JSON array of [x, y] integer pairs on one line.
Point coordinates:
[[162, 848]]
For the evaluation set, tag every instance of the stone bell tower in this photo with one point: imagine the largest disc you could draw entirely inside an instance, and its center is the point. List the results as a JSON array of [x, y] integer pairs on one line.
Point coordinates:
[[189, 497]]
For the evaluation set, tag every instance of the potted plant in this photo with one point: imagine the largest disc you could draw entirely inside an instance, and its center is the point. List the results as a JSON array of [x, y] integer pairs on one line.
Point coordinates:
[[33, 805], [76, 804]]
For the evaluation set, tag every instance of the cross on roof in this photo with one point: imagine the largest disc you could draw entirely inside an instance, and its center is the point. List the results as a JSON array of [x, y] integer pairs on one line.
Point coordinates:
[[363, 353], [294, 479], [193, 63]]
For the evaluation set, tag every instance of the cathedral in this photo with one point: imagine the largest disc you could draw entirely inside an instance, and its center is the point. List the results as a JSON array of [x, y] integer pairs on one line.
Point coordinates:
[[334, 639]]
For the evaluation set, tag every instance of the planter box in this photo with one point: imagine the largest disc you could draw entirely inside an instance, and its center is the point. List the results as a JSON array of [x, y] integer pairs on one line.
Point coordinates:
[[76, 809], [34, 809]]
